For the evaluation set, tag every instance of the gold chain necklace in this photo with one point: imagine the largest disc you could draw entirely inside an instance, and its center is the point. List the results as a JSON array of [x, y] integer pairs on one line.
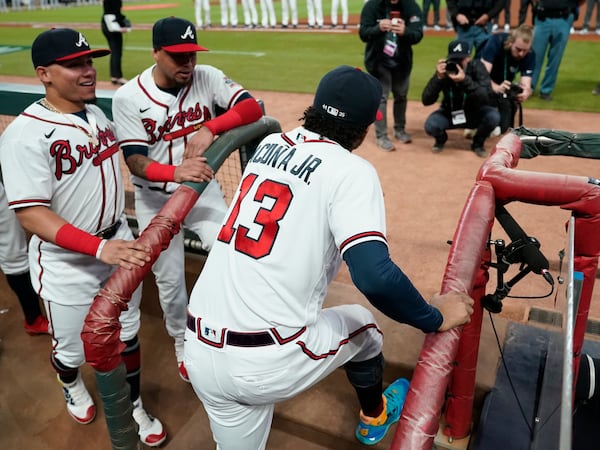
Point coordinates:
[[90, 134]]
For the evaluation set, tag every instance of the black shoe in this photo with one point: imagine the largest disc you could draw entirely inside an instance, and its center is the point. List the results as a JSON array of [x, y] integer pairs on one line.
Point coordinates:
[[437, 147], [480, 151], [118, 81], [545, 97]]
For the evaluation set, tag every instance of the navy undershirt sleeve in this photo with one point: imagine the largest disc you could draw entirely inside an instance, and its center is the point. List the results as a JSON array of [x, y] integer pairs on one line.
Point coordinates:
[[129, 150], [388, 288]]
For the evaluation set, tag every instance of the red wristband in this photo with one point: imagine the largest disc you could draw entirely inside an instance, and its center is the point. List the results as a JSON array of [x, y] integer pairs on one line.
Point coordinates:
[[242, 113], [160, 172], [77, 240]]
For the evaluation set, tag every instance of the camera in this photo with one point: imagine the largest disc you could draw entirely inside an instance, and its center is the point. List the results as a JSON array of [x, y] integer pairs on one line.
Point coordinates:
[[515, 89], [451, 67]]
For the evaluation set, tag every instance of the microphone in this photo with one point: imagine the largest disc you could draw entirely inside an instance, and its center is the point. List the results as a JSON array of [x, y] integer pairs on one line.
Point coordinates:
[[526, 248]]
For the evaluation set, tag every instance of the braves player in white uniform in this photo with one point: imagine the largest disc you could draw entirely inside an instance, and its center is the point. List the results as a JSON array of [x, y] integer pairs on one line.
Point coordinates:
[[257, 333], [15, 266], [60, 163], [165, 118]]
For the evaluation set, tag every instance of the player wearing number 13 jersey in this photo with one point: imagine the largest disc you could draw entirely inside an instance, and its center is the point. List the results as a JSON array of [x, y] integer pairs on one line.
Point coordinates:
[[257, 333], [166, 118]]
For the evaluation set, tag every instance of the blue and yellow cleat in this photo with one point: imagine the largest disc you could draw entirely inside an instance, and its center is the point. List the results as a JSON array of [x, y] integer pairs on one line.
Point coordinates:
[[371, 430]]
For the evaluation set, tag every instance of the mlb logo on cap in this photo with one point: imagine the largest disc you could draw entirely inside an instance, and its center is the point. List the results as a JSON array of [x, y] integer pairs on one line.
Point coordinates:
[[175, 35]]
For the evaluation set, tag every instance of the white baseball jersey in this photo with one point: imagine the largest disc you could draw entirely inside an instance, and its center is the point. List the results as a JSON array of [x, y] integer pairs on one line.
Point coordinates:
[[47, 159], [283, 236], [13, 243], [144, 114]]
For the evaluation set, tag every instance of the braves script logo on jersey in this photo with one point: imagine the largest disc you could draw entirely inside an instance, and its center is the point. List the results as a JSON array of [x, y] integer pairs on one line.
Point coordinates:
[[193, 114], [68, 159]]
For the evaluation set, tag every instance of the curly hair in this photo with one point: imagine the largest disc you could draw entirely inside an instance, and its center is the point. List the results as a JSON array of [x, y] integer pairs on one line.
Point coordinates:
[[348, 135]]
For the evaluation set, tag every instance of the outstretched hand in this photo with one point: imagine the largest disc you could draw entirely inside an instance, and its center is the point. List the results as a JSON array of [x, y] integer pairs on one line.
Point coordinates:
[[456, 309]]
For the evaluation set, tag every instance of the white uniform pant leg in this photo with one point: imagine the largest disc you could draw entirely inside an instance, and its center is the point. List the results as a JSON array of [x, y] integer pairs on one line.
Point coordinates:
[[169, 268], [224, 4], [233, 15], [285, 12], [319, 12], [207, 214], [13, 242], [310, 10], [198, 12], [271, 10], [294, 10], [334, 8], [344, 12], [206, 8], [239, 386]]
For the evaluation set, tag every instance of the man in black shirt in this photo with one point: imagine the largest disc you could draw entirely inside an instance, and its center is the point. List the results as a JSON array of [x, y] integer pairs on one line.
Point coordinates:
[[503, 56]]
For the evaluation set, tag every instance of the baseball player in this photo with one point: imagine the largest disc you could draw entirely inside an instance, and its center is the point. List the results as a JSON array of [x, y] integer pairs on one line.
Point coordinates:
[[165, 118], [15, 266], [267, 14], [314, 9], [257, 333], [289, 10], [60, 163]]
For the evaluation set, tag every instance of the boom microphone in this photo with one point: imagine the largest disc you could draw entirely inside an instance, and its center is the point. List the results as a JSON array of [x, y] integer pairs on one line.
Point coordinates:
[[526, 247]]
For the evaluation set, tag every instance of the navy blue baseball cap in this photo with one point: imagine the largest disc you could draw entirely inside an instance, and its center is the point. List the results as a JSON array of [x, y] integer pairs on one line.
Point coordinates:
[[349, 95], [61, 44], [458, 50], [175, 35]]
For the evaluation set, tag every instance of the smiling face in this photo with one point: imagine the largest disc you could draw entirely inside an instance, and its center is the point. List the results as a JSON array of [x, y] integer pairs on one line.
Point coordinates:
[[69, 84], [173, 69]]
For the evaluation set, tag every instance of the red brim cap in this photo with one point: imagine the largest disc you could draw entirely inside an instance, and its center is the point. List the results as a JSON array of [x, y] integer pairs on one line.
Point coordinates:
[[184, 48], [93, 53]]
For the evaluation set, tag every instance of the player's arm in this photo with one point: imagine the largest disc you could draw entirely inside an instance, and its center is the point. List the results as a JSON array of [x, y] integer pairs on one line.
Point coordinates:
[[50, 227], [246, 110], [193, 169], [392, 292]]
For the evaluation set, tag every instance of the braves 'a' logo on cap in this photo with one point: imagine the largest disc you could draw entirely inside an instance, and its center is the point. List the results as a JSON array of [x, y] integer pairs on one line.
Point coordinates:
[[188, 33], [81, 41], [457, 48]]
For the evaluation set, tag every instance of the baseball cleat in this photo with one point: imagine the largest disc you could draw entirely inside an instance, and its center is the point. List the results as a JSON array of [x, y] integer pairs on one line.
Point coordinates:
[[150, 430], [183, 372], [39, 326], [79, 403], [371, 430]]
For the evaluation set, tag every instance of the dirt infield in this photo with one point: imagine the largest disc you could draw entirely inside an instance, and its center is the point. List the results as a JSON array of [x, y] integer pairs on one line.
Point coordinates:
[[425, 193]]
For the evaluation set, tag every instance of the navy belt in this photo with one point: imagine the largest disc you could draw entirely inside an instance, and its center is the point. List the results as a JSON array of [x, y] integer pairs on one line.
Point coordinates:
[[109, 232], [238, 338], [153, 188]]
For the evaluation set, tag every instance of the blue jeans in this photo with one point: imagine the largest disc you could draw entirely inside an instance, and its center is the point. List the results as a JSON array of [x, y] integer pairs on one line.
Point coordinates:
[[395, 81], [485, 121], [549, 36], [474, 35]]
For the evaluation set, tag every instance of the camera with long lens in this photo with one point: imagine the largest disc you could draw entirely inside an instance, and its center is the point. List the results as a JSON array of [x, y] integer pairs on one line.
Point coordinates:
[[451, 67]]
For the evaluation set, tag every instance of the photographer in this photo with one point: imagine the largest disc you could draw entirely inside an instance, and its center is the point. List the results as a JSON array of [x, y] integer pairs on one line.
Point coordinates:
[[466, 89], [389, 29], [503, 56]]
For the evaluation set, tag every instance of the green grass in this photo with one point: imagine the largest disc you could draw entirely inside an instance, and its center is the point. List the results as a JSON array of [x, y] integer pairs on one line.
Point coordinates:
[[277, 61]]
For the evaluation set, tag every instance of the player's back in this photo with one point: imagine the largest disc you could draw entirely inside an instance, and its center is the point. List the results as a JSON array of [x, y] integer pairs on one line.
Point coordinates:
[[279, 247]]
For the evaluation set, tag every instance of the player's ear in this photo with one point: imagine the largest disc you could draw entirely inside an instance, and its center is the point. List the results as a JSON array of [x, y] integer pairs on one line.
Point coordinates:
[[42, 73]]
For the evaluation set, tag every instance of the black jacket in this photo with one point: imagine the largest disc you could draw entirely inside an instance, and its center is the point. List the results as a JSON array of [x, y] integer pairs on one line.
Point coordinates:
[[369, 32], [114, 7], [470, 94]]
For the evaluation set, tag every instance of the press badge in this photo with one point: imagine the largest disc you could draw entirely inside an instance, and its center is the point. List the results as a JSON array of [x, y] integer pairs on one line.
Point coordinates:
[[390, 48], [458, 117]]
